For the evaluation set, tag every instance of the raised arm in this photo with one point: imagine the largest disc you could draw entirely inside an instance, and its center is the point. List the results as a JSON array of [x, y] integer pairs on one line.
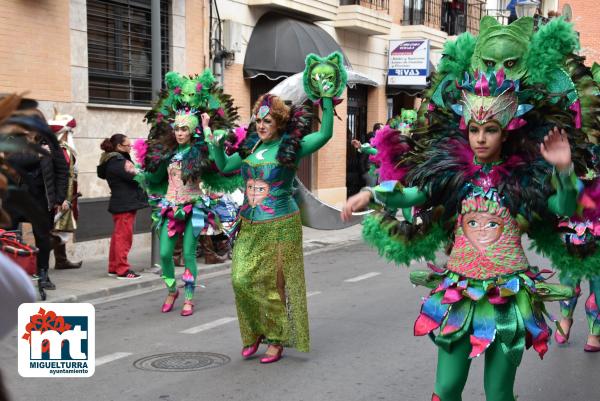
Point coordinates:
[[557, 151], [313, 142], [367, 149], [216, 150]]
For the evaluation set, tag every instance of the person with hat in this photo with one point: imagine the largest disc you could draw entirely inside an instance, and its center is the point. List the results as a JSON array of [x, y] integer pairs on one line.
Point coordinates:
[[65, 221]]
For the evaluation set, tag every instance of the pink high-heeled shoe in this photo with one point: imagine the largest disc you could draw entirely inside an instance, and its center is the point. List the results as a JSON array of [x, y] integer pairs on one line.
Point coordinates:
[[187, 312], [247, 352], [591, 348], [273, 358], [169, 307], [560, 339]]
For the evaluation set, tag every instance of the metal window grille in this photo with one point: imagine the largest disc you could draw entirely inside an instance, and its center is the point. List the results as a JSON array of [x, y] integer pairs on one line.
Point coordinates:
[[451, 16], [120, 52], [382, 5]]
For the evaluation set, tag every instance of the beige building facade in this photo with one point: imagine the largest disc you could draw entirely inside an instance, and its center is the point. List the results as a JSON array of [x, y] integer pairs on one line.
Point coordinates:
[[92, 59]]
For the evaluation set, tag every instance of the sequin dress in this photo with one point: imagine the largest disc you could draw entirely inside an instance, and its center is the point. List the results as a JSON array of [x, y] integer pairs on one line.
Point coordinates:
[[268, 264]]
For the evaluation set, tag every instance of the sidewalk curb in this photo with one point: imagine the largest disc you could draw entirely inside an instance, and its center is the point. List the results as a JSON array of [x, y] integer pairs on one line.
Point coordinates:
[[309, 248]]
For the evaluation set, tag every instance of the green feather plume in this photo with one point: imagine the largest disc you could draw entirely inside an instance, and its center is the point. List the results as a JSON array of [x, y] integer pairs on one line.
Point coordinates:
[[457, 55], [379, 233], [216, 182], [549, 47]]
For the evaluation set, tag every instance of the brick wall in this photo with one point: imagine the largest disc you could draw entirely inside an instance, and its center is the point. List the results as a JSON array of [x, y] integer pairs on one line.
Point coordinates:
[[585, 16], [330, 161], [195, 35], [396, 9], [239, 88], [377, 109], [35, 48]]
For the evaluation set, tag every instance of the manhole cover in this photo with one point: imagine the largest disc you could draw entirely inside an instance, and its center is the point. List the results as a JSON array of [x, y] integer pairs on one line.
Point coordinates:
[[182, 361]]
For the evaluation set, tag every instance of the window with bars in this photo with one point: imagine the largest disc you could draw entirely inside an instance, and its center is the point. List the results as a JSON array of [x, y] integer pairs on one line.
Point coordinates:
[[120, 50]]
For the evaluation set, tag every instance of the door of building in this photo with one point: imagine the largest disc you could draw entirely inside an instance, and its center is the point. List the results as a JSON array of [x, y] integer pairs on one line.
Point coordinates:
[[356, 163]]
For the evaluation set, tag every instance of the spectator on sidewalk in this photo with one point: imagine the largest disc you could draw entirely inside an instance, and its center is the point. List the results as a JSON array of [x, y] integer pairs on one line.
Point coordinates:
[[126, 198], [43, 177], [65, 222]]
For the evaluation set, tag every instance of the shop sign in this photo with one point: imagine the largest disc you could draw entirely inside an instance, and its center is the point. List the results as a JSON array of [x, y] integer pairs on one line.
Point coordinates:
[[408, 62]]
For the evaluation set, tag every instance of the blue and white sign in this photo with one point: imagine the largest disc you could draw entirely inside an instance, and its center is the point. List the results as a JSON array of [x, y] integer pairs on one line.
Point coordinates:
[[408, 62]]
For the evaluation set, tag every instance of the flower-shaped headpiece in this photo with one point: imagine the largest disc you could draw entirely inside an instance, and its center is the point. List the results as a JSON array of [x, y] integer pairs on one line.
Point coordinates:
[[490, 97], [186, 118]]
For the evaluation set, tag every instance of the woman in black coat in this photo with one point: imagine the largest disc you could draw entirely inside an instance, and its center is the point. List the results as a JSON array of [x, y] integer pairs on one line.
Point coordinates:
[[126, 198]]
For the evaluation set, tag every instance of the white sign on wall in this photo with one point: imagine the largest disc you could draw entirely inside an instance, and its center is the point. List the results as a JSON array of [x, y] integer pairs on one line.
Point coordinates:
[[408, 62]]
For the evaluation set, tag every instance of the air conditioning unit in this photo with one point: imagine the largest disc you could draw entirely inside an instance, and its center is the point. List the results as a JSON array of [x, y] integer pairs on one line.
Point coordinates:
[[232, 35]]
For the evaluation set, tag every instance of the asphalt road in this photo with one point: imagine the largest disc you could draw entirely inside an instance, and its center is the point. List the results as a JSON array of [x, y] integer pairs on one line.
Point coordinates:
[[362, 347]]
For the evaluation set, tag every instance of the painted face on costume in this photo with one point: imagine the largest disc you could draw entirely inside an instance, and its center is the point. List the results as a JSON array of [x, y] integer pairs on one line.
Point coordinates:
[[266, 127], [486, 141], [182, 135], [256, 191], [482, 229]]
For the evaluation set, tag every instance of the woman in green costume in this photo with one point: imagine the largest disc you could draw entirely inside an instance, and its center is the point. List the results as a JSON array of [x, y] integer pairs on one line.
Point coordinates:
[[268, 267], [174, 161]]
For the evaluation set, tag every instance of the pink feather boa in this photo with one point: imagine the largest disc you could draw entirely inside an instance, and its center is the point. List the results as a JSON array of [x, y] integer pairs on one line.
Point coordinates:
[[390, 149], [140, 149], [240, 134]]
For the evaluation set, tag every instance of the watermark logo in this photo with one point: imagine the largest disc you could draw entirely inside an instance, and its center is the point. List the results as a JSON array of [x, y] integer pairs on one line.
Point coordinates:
[[56, 340]]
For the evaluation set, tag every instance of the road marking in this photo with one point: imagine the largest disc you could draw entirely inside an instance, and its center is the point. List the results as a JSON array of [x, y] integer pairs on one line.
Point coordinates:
[[362, 277], [111, 357], [210, 325], [310, 294]]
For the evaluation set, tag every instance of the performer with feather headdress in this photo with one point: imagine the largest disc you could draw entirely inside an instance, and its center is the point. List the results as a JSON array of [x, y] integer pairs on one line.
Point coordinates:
[[268, 268], [174, 161], [496, 153]]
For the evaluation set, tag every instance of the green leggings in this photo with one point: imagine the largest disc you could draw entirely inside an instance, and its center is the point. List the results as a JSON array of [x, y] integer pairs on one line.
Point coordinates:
[[453, 369], [167, 246]]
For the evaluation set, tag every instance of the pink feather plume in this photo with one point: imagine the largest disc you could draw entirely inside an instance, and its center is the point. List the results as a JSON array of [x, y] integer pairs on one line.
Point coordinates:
[[390, 149], [140, 148]]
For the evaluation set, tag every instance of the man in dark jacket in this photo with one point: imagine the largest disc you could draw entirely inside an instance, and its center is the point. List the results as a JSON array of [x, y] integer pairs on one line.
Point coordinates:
[[44, 178]]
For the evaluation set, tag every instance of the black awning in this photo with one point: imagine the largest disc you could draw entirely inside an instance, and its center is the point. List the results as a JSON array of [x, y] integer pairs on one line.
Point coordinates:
[[391, 90], [279, 44]]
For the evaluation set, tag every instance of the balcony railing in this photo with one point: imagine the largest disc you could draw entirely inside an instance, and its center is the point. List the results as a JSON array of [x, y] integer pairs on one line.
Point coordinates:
[[422, 12], [453, 17], [380, 5], [502, 15]]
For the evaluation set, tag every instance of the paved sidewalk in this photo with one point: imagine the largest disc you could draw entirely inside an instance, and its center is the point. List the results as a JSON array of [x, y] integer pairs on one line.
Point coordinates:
[[92, 282]]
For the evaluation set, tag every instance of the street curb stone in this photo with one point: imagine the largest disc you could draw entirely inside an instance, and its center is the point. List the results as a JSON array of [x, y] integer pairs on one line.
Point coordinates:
[[134, 285]]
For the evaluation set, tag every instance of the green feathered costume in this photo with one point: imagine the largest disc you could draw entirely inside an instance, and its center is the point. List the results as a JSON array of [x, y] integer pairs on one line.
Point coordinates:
[[487, 298]]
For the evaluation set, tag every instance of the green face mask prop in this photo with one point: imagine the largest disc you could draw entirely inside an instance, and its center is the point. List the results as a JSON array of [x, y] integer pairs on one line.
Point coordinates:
[[324, 77], [188, 92], [408, 116], [503, 46]]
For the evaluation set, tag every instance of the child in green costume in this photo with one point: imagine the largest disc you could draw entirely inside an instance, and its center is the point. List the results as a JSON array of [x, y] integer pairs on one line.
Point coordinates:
[[477, 189]]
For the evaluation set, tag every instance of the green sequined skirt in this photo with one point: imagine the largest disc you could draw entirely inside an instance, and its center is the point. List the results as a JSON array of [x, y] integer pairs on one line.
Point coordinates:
[[268, 281]]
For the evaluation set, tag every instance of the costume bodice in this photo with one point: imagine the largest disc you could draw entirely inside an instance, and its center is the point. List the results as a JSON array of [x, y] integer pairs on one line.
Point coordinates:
[[179, 192], [487, 238], [268, 190]]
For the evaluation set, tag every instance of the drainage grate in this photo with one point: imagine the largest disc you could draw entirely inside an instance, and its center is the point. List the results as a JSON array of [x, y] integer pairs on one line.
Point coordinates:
[[182, 361]]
